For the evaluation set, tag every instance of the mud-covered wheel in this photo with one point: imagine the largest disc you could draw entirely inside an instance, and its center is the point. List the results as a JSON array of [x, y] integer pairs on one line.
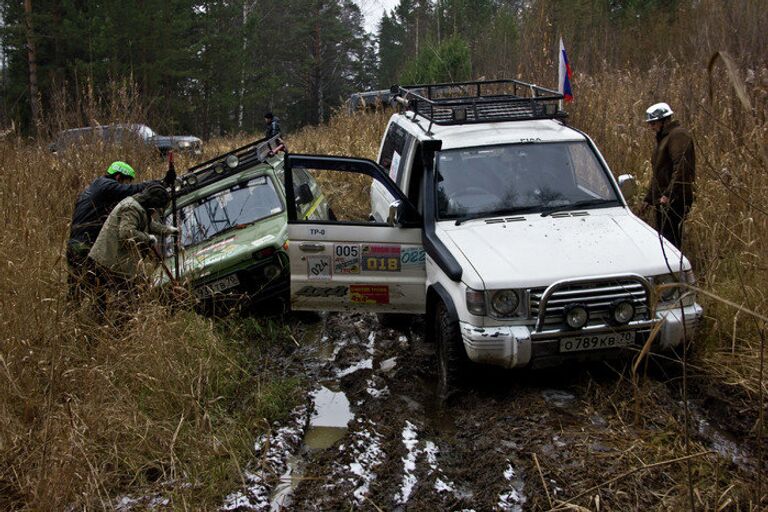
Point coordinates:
[[451, 358]]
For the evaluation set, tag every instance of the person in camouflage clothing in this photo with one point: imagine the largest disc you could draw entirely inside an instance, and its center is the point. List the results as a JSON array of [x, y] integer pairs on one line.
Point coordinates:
[[125, 240]]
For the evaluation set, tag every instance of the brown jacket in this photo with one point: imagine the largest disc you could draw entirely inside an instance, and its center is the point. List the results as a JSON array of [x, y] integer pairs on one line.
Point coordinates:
[[674, 166], [124, 239]]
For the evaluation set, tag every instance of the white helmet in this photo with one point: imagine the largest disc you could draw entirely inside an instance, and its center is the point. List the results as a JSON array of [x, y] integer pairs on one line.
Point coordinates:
[[657, 112]]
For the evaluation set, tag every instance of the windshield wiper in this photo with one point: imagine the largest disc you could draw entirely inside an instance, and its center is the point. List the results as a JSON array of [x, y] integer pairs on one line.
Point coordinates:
[[579, 204], [233, 227], [495, 213]]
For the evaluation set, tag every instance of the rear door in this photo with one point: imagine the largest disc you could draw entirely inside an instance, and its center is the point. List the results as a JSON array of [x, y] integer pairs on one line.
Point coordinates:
[[353, 262]]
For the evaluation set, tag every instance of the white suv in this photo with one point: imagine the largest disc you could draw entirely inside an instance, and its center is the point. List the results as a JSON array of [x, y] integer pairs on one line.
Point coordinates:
[[505, 227]]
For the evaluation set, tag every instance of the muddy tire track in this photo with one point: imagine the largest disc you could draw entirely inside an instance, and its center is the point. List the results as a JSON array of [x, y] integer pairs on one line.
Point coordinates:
[[506, 441]]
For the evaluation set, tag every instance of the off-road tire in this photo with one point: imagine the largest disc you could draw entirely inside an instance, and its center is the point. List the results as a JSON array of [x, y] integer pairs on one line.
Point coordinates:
[[452, 360]]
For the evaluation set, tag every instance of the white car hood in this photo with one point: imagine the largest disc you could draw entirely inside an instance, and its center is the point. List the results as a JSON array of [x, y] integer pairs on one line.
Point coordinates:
[[539, 250]]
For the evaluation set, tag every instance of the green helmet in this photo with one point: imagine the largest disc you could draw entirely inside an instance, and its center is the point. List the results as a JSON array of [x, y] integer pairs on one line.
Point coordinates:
[[122, 168]]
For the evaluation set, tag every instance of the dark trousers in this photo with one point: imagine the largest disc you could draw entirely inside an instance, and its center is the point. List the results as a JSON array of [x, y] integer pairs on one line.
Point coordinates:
[[669, 221], [105, 284], [77, 266]]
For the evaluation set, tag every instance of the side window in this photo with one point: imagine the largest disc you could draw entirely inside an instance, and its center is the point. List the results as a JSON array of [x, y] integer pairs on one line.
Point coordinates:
[[408, 147], [417, 174], [587, 171], [392, 151]]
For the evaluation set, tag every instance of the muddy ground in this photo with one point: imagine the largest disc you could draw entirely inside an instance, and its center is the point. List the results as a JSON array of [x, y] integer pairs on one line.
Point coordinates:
[[374, 436]]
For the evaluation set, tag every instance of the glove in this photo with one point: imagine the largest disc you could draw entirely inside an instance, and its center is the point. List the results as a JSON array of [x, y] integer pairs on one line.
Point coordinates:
[[170, 177], [152, 239], [173, 230]]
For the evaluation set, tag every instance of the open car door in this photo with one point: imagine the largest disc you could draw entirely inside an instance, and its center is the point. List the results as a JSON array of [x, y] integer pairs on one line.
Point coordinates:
[[347, 261]]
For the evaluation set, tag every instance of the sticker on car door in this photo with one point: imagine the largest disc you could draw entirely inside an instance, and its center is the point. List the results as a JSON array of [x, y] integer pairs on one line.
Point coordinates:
[[381, 258], [346, 259], [319, 268], [369, 294]]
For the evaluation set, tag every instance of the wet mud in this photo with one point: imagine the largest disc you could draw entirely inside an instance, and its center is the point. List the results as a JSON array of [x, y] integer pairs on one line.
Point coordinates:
[[375, 436]]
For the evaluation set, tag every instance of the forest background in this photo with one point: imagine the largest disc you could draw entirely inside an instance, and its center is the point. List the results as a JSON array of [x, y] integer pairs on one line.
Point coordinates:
[[214, 67]]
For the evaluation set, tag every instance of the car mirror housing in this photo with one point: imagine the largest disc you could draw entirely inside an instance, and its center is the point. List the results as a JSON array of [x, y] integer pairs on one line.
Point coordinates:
[[627, 185], [304, 194]]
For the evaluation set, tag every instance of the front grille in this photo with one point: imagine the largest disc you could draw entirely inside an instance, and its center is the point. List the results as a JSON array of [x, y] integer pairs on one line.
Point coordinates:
[[597, 296]]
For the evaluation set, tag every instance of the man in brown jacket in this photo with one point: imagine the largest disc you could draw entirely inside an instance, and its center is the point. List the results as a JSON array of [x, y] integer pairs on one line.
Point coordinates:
[[674, 173]]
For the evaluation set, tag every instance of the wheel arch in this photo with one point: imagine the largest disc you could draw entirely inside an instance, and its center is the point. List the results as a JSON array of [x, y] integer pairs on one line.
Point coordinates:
[[435, 293]]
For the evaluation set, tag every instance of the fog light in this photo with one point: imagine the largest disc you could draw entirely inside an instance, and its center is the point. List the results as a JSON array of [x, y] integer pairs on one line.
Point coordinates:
[[272, 272], [232, 161], [623, 311], [576, 316]]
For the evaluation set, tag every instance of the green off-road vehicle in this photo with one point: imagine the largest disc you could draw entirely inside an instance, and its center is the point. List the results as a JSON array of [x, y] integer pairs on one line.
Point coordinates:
[[231, 212]]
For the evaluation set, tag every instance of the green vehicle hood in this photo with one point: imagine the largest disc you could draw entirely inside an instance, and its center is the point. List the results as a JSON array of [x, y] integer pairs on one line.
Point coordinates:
[[232, 250]]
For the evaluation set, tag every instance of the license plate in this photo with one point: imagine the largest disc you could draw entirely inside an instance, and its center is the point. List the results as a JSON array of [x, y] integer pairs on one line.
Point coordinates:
[[597, 341], [218, 286]]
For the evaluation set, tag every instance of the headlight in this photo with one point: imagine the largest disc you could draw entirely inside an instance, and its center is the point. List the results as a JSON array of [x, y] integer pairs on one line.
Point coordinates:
[[622, 311], [183, 144], [576, 316], [667, 287], [504, 302], [475, 302], [272, 271], [676, 293]]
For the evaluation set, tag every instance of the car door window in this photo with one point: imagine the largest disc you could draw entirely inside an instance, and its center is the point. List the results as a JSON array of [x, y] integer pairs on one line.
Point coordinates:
[[344, 193]]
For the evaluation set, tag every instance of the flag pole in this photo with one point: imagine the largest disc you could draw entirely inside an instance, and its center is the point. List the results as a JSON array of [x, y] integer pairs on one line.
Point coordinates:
[[560, 74]]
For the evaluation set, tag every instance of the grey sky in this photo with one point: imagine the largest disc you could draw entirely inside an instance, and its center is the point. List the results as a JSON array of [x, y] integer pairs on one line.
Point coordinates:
[[372, 11]]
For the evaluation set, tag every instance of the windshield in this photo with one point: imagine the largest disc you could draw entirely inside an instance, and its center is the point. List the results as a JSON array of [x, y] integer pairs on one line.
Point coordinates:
[[520, 177], [242, 204]]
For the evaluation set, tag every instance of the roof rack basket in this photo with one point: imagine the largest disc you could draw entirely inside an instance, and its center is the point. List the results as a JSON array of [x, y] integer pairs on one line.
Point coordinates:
[[227, 164], [480, 101]]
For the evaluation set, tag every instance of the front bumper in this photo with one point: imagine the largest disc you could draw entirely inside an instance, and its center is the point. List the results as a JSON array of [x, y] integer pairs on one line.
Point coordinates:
[[254, 286], [520, 345]]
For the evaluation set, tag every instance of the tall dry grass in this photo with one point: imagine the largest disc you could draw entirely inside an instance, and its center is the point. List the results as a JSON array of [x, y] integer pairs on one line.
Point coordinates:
[[90, 411]]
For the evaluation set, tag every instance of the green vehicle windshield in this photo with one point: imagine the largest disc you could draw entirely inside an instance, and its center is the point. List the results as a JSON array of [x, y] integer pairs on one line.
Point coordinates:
[[245, 203]]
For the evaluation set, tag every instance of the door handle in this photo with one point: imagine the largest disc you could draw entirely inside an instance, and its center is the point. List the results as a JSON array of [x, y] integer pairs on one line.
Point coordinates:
[[312, 247]]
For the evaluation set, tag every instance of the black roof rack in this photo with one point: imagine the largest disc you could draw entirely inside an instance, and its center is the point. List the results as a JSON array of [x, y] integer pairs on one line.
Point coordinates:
[[480, 101], [227, 164]]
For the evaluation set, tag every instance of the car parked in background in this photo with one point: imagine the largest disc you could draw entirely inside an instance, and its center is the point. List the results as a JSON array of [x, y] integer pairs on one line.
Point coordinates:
[[125, 134], [231, 212]]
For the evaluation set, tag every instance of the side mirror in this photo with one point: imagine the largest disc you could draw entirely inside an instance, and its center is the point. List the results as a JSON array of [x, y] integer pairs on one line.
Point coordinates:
[[304, 194], [396, 210], [627, 185]]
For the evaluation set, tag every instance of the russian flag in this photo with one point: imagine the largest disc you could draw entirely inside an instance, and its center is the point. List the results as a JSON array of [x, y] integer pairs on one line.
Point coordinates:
[[564, 75]]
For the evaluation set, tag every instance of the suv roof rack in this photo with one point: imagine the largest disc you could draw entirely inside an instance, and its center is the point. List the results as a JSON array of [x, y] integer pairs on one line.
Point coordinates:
[[480, 101], [227, 164]]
